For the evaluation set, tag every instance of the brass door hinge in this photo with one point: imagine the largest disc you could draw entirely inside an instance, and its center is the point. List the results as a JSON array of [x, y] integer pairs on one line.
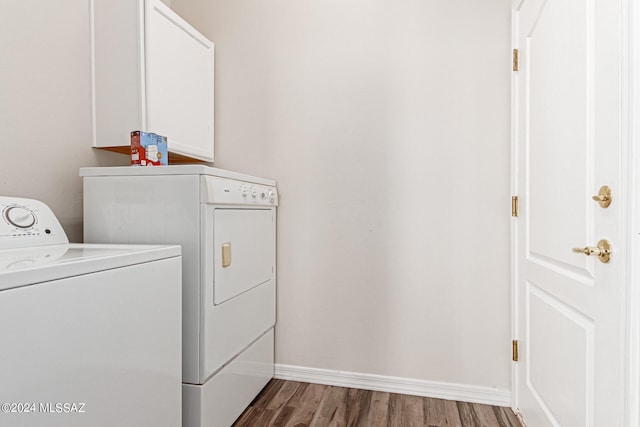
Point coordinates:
[[515, 60], [514, 206], [514, 350]]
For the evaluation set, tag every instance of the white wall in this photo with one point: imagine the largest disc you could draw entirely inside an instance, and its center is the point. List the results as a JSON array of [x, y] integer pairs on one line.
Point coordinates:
[[45, 118], [386, 124]]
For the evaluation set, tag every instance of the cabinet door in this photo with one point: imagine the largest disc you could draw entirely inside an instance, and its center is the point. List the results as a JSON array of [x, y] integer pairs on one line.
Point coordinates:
[[117, 95], [179, 82]]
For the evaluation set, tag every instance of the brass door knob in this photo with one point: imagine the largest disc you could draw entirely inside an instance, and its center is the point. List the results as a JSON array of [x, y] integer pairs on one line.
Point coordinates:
[[603, 197], [602, 251]]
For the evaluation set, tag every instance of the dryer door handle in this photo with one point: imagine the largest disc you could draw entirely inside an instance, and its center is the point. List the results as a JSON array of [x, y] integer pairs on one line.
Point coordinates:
[[226, 255]]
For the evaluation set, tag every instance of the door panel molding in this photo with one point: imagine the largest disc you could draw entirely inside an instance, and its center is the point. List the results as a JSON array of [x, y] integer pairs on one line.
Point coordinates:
[[575, 360], [583, 275], [546, 145]]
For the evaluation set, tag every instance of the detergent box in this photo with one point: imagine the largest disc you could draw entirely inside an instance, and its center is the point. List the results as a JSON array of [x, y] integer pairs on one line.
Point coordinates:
[[148, 149]]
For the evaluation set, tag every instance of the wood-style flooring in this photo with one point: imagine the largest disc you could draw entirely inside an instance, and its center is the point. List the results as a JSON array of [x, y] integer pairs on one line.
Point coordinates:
[[294, 404]]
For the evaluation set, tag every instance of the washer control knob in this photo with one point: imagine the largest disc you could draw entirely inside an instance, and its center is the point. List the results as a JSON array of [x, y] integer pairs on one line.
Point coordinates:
[[254, 193], [244, 191], [20, 217], [271, 193]]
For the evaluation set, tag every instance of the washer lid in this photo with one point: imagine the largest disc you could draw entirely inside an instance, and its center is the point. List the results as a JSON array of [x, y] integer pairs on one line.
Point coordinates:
[[28, 266]]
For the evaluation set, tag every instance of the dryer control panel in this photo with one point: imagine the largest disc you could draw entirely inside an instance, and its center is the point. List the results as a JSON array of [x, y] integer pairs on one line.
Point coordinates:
[[28, 222], [218, 190]]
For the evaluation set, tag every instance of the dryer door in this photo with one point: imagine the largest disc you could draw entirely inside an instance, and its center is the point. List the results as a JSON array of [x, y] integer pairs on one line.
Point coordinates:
[[239, 299], [244, 251]]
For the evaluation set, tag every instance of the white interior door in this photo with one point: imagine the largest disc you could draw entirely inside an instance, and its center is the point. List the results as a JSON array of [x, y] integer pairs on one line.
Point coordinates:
[[569, 306]]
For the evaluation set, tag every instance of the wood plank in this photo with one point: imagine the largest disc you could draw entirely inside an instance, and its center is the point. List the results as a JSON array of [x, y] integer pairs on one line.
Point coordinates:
[[441, 413], [283, 416], [467, 415], [485, 415], [358, 407], [506, 417], [476, 415], [257, 417], [286, 391], [245, 419], [406, 411], [268, 393], [267, 405], [412, 414], [378, 409], [307, 395], [394, 413], [331, 411], [332, 408], [305, 403]]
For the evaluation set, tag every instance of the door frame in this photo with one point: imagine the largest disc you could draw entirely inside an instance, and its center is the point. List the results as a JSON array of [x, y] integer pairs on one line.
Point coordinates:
[[632, 34], [630, 179]]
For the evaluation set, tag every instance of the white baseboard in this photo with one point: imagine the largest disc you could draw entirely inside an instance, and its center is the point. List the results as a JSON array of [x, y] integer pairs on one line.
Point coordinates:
[[440, 390]]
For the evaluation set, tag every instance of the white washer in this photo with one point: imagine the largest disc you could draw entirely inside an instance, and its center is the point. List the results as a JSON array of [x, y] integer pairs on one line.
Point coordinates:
[[90, 334], [226, 224]]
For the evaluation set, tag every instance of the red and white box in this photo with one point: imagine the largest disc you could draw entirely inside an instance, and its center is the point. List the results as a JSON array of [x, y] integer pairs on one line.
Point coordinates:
[[148, 149]]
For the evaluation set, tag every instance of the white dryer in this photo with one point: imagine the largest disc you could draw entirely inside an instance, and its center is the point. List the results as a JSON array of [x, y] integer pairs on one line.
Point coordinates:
[[226, 224], [90, 333]]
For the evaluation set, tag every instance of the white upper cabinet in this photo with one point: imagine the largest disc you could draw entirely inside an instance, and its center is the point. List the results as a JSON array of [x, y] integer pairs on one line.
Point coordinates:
[[152, 71]]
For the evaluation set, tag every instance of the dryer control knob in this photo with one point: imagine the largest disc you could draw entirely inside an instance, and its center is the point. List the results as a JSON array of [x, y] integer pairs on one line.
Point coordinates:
[[254, 193], [20, 217], [244, 191], [271, 193]]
